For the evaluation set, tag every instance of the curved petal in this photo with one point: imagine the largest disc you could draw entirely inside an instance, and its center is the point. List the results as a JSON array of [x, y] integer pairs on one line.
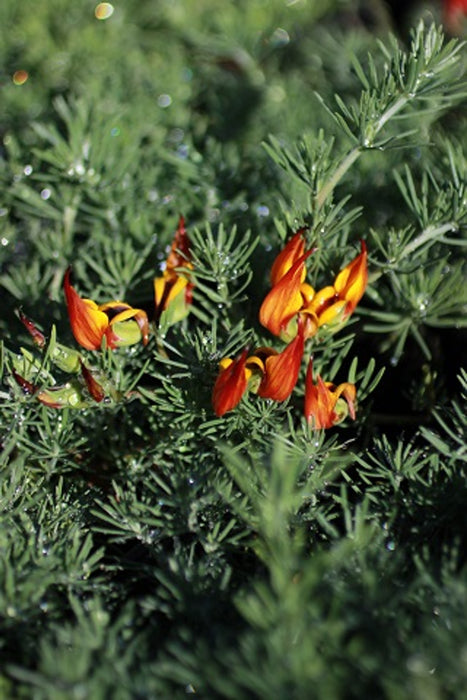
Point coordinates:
[[319, 401], [321, 300], [179, 254], [348, 392], [231, 384], [350, 283], [294, 250], [334, 313], [88, 322], [284, 300], [282, 369]]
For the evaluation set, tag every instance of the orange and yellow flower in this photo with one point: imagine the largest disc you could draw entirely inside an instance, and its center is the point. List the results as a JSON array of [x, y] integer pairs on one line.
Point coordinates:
[[268, 373], [292, 252], [119, 323], [173, 291], [324, 401], [284, 301], [332, 305], [291, 296]]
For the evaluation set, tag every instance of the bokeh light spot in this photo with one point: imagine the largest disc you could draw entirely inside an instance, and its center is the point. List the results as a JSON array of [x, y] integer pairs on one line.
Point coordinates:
[[20, 77], [164, 101], [104, 10]]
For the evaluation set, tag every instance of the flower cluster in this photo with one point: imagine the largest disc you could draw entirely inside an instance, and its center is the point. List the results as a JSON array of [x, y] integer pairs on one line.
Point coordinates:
[[291, 297], [270, 374], [112, 324], [294, 312], [119, 323]]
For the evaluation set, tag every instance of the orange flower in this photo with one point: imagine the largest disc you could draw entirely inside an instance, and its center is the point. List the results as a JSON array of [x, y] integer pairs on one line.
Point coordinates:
[[117, 321], [292, 252], [173, 291], [281, 369], [231, 383], [332, 305], [284, 301], [323, 404], [270, 374], [350, 283], [291, 297]]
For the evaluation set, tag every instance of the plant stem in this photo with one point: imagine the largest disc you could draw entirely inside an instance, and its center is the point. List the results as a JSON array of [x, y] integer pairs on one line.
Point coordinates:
[[339, 173], [352, 156], [389, 113], [428, 234]]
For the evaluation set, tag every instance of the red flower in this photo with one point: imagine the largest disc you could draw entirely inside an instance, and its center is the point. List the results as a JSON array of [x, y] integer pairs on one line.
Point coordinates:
[[117, 321], [173, 291], [281, 369], [231, 384], [321, 401], [270, 374]]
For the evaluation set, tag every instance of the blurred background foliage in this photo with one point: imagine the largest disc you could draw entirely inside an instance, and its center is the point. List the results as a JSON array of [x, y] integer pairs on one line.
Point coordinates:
[[148, 549]]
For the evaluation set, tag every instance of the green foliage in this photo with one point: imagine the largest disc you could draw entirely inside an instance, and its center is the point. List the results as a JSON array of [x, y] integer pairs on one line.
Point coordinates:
[[149, 548]]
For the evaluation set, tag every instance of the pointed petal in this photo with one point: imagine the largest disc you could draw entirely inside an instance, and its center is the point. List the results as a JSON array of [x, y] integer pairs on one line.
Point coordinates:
[[284, 300], [282, 369], [88, 322], [349, 393], [26, 386], [350, 283], [231, 384], [319, 402], [179, 254], [93, 386], [37, 336], [161, 291], [294, 250]]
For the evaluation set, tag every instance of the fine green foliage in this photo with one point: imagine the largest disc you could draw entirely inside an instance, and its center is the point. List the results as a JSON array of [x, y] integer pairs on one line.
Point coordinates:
[[149, 547]]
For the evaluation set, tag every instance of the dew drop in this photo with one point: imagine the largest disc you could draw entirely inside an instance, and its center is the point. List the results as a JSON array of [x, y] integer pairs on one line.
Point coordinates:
[[103, 10], [20, 77], [164, 101]]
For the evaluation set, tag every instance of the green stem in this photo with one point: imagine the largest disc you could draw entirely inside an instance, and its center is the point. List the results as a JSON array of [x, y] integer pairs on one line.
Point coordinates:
[[339, 173], [425, 236], [389, 113], [352, 156]]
